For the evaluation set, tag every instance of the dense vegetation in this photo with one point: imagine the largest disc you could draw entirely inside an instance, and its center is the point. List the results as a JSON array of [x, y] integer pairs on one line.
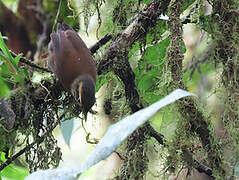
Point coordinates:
[[146, 55]]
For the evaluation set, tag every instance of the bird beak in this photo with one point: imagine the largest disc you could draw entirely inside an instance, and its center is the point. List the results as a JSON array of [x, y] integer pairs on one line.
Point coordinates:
[[80, 91]]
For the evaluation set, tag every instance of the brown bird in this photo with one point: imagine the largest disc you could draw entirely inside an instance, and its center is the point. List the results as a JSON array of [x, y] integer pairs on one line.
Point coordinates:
[[71, 61]]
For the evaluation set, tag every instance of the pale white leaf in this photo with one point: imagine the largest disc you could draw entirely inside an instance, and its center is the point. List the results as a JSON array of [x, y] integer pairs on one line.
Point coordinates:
[[113, 137]]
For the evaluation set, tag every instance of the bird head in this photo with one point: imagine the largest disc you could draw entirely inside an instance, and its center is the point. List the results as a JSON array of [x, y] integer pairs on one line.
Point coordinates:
[[83, 90]]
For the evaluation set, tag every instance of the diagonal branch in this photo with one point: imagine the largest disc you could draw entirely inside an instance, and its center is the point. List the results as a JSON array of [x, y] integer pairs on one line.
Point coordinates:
[[26, 148]]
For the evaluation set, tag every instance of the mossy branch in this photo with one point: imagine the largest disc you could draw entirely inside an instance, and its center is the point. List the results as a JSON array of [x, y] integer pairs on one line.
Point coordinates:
[[187, 107]]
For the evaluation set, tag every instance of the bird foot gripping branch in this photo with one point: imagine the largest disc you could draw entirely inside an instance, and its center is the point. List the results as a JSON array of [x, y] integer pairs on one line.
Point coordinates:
[[72, 63]]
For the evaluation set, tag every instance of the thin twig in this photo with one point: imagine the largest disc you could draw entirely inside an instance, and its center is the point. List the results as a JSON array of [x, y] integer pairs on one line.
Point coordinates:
[[29, 63], [153, 133], [122, 157], [57, 15], [201, 168], [19, 153]]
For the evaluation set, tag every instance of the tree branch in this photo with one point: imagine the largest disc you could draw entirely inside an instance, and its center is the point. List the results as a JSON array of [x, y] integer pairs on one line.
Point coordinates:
[[30, 63], [100, 43], [28, 147]]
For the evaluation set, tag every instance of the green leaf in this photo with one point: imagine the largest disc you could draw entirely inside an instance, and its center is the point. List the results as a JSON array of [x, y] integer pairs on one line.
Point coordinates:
[[147, 1], [163, 26], [187, 4], [17, 58], [163, 45], [4, 89], [151, 97], [5, 69], [128, 1], [155, 54], [157, 118], [14, 172], [140, 70], [152, 55], [101, 80], [204, 22], [205, 69], [19, 78], [2, 56], [7, 53], [184, 47], [25, 72], [146, 82], [2, 156], [9, 0]]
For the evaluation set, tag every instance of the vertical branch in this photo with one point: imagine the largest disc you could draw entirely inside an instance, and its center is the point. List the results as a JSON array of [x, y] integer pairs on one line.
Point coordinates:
[[123, 70], [226, 18], [224, 31], [188, 107], [135, 165]]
